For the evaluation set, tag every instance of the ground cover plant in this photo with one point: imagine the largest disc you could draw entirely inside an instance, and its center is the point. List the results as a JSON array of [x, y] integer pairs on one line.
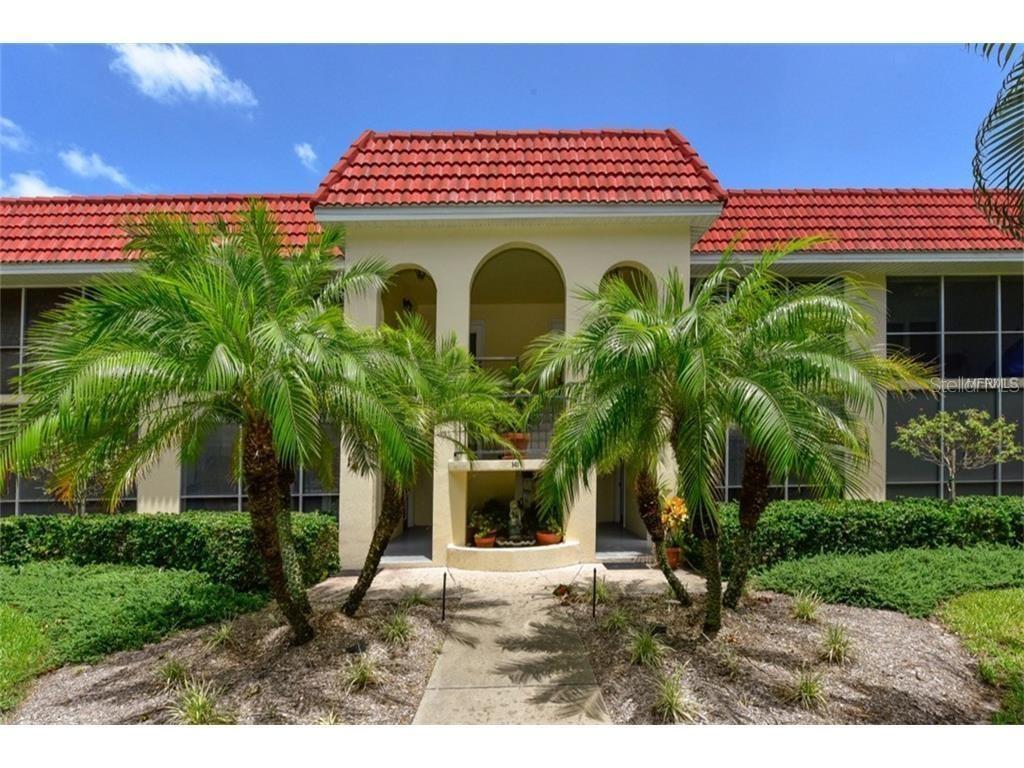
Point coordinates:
[[53, 613], [912, 581]]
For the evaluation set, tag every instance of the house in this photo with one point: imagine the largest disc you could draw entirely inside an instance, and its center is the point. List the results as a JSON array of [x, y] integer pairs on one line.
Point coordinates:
[[490, 232]]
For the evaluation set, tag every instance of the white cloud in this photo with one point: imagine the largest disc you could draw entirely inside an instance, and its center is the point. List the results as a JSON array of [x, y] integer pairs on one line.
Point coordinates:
[[306, 155], [30, 184], [12, 136], [168, 73], [93, 167]]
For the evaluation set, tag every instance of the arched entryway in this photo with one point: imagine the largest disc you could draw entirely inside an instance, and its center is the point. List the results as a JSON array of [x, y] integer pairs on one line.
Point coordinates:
[[412, 291]]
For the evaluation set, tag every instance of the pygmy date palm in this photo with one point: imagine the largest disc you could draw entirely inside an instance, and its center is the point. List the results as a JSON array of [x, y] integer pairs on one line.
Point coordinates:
[[218, 324], [806, 379], [435, 390]]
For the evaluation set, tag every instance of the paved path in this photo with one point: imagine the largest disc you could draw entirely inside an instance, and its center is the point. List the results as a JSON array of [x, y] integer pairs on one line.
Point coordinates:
[[512, 656]]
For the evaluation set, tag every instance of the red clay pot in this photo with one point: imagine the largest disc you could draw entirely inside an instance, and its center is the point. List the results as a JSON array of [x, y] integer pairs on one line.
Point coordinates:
[[485, 540], [545, 538], [520, 441], [674, 555]]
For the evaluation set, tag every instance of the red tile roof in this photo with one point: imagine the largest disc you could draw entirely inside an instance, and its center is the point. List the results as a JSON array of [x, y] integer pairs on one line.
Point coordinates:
[[861, 220], [599, 166], [68, 229]]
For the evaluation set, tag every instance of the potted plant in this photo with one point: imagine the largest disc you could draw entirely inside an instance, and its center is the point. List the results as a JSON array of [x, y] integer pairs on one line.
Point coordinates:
[[527, 404], [673, 522], [549, 528], [485, 528]]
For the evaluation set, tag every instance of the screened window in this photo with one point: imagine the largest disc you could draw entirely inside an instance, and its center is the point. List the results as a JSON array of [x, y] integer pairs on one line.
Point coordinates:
[[972, 330]]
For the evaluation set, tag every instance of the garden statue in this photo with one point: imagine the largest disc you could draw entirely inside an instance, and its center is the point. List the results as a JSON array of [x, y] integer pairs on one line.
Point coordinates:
[[515, 520]]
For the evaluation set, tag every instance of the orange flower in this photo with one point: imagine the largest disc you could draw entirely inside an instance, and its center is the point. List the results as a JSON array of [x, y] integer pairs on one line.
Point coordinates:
[[673, 514]]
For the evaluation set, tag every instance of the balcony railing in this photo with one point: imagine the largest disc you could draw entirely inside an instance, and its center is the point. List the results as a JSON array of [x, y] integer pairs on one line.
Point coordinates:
[[539, 431]]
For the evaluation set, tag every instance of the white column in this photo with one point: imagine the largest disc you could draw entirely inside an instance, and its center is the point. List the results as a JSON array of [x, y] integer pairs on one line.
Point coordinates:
[[159, 490], [450, 489], [874, 478]]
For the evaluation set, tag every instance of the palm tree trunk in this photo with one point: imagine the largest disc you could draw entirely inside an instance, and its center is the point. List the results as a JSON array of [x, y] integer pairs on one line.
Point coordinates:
[[753, 500], [650, 512], [706, 529], [391, 511], [272, 529]]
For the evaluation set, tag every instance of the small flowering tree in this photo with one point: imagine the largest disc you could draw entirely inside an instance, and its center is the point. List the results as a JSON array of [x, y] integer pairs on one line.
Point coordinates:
[[959, 441]]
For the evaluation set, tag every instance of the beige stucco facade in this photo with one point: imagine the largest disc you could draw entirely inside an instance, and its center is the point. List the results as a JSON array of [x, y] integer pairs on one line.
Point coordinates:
[[452, 253]]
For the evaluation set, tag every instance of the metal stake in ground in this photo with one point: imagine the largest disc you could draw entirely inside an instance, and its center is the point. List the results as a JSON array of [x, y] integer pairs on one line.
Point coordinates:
[[444, 593], [593, 598]]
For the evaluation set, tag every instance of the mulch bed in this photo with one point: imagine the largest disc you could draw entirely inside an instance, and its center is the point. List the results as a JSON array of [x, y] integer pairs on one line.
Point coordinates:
[[259, 677], [901, 670]]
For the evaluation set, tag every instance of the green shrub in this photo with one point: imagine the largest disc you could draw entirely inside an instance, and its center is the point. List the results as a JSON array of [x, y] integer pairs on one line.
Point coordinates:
[[216, 543], [913, 581], [89, 611], [24, 650], [793, 529]]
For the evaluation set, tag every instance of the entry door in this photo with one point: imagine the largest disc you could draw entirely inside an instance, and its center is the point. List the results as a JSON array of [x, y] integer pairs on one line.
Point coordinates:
[[620, 495]]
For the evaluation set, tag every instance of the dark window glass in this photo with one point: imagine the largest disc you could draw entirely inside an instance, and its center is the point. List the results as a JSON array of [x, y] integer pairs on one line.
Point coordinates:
[[922, 490], [327, 504], [1013, 410], [39, 301], [10, 317], [924, 347], [7, 509], [971, 304], [900, 466], [974, 489], [970, 355], [8, 370], [1013, 303], [41, 508], [913, 304], [210, 504], [212, 474], [1013, 355], [737, 446], [1013, 489], [981, 401]]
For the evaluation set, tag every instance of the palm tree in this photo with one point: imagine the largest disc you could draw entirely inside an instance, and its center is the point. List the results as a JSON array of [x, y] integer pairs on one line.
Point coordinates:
[[999, 146], [433, 390], [806, 351], [640, 384], [217, 325]]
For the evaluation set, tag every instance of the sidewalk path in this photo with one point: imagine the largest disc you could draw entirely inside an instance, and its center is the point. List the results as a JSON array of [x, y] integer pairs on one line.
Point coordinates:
[[511, 656]]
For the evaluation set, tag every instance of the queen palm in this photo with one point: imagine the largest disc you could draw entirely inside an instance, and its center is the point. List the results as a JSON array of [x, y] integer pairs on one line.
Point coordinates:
[[434, 390], [218, 325]]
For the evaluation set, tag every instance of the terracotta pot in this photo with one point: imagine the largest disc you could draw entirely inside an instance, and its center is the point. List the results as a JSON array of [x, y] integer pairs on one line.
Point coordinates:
[[544, 538], [520, 441], [674, 555], [485, 540]]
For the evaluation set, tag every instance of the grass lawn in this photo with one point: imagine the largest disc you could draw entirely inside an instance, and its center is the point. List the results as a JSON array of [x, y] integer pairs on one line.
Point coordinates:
[[912, 581], [992, 627], [53, 613]]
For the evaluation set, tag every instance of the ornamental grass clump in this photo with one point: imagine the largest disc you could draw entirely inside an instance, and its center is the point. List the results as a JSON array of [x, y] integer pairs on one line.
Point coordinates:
[[646, 649], [673, 703]]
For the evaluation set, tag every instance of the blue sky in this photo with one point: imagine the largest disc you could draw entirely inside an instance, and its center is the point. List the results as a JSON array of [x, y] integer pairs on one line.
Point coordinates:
[[102, 120]]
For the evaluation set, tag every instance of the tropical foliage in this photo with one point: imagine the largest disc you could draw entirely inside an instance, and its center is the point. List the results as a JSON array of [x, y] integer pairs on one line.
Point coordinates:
[[435, 390], [219, 324], [999, 146]]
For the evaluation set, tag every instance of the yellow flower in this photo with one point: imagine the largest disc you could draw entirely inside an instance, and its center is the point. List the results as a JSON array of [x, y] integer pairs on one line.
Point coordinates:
[[674, 513]]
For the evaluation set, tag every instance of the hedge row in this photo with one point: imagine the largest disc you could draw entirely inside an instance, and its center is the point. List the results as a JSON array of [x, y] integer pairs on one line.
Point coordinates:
[[216, 543], [789, 530]]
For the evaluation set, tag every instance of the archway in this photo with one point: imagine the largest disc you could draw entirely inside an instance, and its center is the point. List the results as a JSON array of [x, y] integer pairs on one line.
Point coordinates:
[[412, 291], [635, 276]]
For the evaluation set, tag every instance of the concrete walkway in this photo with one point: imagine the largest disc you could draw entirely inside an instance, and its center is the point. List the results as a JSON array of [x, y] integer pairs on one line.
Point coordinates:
[[512, 656]]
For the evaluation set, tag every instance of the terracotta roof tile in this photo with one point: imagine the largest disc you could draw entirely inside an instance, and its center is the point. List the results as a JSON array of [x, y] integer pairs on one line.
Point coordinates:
[[75, 229], [594, 166], [860, 220]]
